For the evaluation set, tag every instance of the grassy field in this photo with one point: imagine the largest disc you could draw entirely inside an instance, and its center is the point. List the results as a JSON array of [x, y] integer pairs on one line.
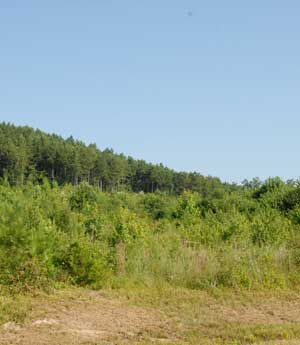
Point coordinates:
[[157, 315], [78, 266]]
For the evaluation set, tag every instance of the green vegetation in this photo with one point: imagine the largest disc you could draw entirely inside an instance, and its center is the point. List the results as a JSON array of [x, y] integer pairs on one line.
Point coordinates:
[[103, 234], [181, 243], [30, 155], [52, 234]]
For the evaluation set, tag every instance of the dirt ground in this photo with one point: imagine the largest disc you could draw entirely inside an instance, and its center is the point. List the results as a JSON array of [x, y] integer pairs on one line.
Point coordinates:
[[89, 318], [96, 318]]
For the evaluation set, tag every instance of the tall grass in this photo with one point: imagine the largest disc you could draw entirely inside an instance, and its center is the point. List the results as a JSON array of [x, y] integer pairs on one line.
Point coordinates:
[[77, 235]]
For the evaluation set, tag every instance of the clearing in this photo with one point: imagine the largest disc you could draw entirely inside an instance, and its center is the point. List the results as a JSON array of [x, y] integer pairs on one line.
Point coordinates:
[[150, 316]]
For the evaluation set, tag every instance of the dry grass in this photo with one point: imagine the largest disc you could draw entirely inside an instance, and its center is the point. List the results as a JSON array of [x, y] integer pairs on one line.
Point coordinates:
[[153, 316]]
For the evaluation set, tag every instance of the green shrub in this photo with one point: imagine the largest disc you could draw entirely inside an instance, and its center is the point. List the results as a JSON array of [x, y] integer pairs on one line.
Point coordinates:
[[79, 235]]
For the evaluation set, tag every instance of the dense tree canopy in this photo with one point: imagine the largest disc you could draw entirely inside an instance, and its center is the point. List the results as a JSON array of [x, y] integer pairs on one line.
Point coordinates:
[[28, 154]]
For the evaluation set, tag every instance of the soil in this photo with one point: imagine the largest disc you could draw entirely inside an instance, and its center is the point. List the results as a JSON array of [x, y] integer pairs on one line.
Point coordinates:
[[87, 317]]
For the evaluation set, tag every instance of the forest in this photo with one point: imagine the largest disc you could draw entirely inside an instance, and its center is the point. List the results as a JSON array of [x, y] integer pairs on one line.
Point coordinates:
[[30, 155], [72, 214]]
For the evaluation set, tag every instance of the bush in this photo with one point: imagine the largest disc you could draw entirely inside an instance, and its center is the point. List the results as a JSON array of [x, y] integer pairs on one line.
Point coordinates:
[[77, 235]]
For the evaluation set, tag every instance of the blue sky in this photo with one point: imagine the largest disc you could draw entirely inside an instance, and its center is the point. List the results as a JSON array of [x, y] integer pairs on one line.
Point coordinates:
[[208, 86]]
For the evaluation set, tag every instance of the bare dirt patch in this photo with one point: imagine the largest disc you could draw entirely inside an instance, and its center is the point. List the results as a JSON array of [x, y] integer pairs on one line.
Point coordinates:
[[177, 317], [88, 318]]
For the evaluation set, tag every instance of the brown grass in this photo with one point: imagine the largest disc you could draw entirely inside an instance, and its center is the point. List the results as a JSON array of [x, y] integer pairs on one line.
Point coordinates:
[[156, 316]]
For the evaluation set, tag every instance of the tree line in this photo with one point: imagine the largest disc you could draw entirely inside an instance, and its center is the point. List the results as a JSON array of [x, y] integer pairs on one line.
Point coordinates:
[[27, 154]]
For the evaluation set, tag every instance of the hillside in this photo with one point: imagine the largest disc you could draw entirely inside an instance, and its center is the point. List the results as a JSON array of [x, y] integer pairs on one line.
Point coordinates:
[[28, 154], [71, 222]]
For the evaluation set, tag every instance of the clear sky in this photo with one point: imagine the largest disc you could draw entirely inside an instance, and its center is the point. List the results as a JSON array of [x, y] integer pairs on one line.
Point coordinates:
[[208, 86]]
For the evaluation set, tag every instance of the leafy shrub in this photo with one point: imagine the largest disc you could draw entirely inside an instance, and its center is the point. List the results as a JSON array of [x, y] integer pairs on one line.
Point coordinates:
[[79, 235], [159, 206], [83, 194]]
